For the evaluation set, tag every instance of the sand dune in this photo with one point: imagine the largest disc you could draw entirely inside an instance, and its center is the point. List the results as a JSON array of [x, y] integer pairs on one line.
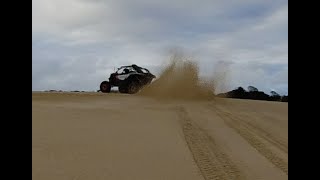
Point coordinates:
[[96, 136]]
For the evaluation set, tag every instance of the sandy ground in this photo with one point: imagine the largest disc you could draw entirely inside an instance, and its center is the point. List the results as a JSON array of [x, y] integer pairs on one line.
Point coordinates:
[[82, 136]]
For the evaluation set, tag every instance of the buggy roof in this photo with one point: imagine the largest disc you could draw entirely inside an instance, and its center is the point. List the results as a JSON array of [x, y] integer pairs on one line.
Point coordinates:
[[135, 67]]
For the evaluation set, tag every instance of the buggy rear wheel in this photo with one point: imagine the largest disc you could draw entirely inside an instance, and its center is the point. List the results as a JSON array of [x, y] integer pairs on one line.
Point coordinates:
[[133, 87]]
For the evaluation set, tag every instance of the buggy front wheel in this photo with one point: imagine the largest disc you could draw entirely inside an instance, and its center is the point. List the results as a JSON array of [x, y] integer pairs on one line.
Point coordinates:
[[105, 87]]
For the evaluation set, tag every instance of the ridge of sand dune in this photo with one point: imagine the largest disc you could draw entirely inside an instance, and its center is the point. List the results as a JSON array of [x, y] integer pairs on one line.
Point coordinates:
[[118, 136]]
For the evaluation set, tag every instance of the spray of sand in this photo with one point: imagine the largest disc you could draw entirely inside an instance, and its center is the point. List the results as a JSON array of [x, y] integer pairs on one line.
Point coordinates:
[[180, 80]]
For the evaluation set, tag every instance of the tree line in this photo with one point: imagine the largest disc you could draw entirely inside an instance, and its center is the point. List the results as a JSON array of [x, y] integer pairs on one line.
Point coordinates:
[[254, 93]]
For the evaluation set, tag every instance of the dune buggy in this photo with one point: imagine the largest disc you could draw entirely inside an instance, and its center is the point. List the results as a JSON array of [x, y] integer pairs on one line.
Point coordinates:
[[128, 79]]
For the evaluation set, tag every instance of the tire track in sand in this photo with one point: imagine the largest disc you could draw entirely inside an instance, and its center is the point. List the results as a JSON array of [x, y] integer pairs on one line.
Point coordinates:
[[252, 137], [213, 163], [276, 141]]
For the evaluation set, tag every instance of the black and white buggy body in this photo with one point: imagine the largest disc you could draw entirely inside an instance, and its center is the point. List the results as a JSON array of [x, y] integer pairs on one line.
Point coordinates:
[[128, 79]]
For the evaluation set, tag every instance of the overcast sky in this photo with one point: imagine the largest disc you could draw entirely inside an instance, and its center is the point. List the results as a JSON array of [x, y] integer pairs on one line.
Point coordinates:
[[77, 43]]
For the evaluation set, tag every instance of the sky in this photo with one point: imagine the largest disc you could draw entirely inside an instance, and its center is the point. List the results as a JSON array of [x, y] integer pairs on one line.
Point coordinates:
[[76, 44]]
